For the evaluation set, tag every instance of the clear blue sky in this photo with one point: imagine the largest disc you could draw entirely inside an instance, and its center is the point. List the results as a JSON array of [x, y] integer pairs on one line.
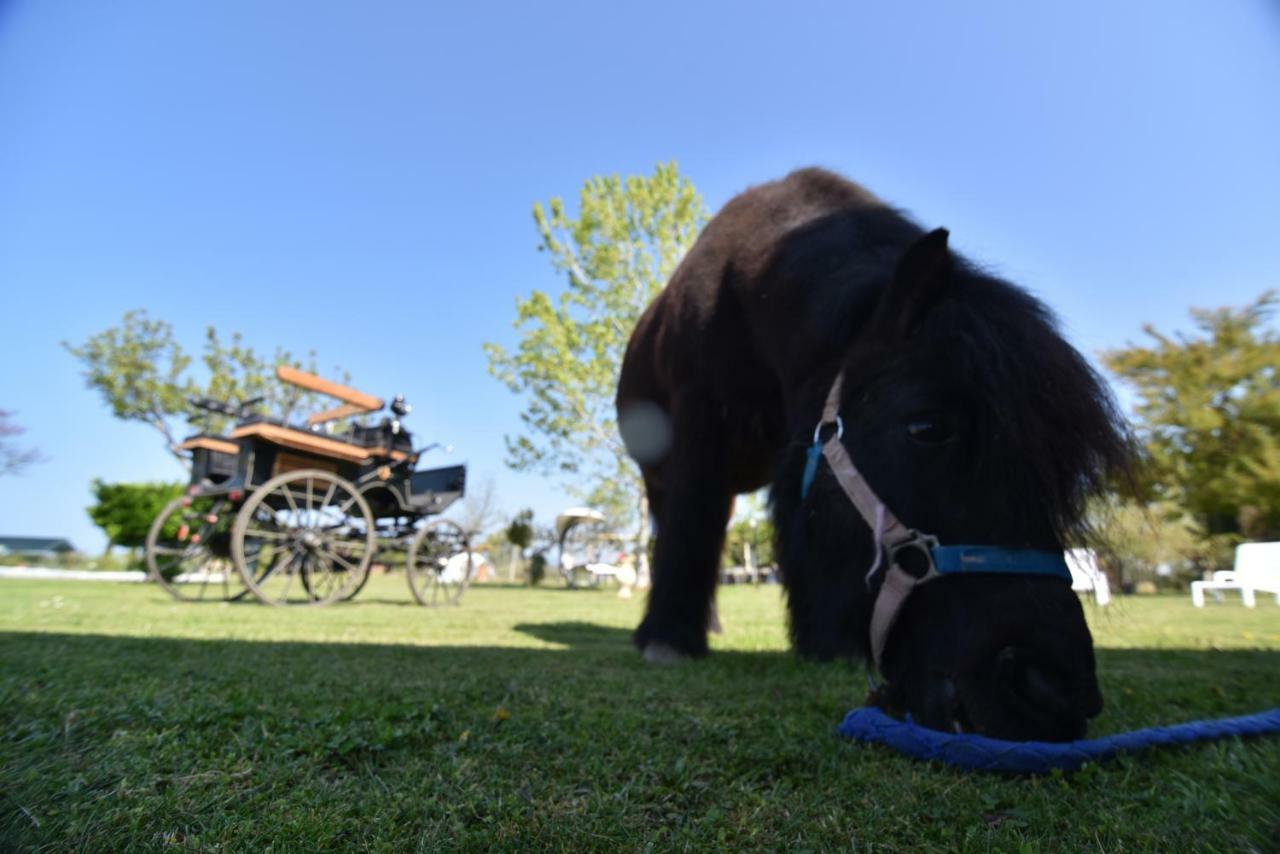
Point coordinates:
[[358, 177]]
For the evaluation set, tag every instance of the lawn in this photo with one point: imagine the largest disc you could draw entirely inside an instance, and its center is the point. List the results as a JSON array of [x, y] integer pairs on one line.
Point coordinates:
[[523, 719]]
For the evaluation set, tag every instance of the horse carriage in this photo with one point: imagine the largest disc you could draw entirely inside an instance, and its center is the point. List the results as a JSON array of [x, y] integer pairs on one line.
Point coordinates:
[[291, 514], [589, 551]]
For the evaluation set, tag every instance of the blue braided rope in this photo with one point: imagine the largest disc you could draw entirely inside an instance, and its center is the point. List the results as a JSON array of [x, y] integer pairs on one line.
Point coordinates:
[[978, 753]]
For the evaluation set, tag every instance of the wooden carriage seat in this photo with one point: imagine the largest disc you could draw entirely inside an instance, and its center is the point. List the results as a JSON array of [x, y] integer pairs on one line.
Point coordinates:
[[303, 440], [210, 443]]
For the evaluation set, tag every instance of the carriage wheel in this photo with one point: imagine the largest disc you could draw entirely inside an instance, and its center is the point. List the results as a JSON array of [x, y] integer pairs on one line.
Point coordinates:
[[580, 545], [387, 544], [439, 564], [304, 537], [188, 551]]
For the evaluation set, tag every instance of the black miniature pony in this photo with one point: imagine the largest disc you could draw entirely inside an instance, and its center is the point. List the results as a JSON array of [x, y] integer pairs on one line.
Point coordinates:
[[965, 413]]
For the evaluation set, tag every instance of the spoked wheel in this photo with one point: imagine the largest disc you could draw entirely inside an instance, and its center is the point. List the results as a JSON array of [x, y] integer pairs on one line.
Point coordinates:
[[392, 550], [439, 564], [581, 544], [188, 551], [305, 537]]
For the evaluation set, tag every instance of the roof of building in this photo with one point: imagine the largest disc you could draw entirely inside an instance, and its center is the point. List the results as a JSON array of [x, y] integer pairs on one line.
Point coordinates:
[[23, 545]]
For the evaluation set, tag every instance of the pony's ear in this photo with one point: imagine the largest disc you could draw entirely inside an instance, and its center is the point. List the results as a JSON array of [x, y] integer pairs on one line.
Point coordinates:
[[917, 283]]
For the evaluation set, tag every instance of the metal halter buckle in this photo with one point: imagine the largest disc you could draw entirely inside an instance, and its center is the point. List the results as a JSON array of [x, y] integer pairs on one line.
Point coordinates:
[[918, 568], [817, 431]]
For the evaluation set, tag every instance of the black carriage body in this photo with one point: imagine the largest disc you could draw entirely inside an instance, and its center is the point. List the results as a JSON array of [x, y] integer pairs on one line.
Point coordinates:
[[214, 460], [377, 460], [414, 493], [298, 513]]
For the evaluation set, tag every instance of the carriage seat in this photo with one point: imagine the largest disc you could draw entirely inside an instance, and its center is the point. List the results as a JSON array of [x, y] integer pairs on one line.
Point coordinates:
[[380, 435], [315, 443]]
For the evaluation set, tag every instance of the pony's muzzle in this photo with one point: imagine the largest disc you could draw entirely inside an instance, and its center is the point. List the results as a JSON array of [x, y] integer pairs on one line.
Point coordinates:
[[1005, 658], [1024, 697], [1064, 700]]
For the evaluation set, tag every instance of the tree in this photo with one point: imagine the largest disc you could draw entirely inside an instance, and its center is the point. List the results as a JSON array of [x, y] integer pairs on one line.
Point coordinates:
[[14, 459], [237, 373], [143, 374], [1133, 538], [616, 255], [520, 531], [479, 510], [520, 536], [1208, 413], [138, 369], [749, 540], [125, 511]]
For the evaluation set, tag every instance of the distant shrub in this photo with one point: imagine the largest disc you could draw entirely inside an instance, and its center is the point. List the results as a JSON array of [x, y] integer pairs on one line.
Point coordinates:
[[125, 511], [537, 569]]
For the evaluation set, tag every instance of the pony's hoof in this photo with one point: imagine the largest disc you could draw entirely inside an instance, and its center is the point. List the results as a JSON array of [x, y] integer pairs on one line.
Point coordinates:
[[661, 653]]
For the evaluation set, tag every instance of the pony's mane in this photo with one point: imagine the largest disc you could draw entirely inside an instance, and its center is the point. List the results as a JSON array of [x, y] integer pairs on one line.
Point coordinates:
[[1040, 393]]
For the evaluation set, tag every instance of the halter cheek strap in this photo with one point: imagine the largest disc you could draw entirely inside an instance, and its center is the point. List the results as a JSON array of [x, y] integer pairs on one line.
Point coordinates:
[[912, 558]]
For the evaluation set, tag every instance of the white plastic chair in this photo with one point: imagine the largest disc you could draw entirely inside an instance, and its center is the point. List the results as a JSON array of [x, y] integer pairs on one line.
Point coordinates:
[[1086, 577], [1256, 568]]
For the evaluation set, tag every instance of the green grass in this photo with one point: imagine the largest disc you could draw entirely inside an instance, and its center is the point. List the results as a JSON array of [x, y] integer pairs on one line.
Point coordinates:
[[523, 719]]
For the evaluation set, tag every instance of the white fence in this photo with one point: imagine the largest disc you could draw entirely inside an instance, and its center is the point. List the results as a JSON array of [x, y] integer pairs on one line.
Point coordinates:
[[132, 577]]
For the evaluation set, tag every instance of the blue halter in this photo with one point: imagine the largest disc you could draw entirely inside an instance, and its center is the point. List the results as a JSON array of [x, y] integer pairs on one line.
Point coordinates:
[[893, 539], [958, 560]]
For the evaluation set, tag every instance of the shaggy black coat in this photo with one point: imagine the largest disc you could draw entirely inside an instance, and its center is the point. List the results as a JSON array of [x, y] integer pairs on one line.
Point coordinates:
[[963, 406]]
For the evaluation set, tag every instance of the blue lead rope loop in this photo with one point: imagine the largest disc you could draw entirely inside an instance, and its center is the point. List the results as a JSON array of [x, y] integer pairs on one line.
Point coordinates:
[[979, 753], [812, 456]]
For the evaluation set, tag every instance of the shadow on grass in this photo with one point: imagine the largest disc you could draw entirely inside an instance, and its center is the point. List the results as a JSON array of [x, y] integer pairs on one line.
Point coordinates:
[[581, 635], [108, 737], [1142, 687]]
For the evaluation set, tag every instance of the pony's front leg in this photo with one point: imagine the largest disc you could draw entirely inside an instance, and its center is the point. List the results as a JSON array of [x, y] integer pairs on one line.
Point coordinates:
[[691, 513]]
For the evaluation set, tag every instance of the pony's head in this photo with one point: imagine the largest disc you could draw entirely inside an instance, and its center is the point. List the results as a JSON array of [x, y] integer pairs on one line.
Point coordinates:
[[973, 421]]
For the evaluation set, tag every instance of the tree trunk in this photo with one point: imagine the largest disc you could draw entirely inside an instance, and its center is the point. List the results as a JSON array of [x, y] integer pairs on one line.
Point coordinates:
[[644, 532]]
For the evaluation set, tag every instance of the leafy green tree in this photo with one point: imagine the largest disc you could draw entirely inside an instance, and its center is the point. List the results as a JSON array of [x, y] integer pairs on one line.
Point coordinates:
[[616, 254], [14, 459], [749, 540], [520, 531], [144, 375], [537, 568], [125, 511], [236, 372], [138, 367], [1133, 538], [753, 534], [1208, 413], [520, 536]]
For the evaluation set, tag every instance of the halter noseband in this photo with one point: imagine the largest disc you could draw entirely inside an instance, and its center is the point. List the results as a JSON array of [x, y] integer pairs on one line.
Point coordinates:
[[912, 558]]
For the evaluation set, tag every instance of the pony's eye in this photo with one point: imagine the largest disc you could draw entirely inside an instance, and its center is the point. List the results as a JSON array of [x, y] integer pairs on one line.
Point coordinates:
[[929, 430]]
